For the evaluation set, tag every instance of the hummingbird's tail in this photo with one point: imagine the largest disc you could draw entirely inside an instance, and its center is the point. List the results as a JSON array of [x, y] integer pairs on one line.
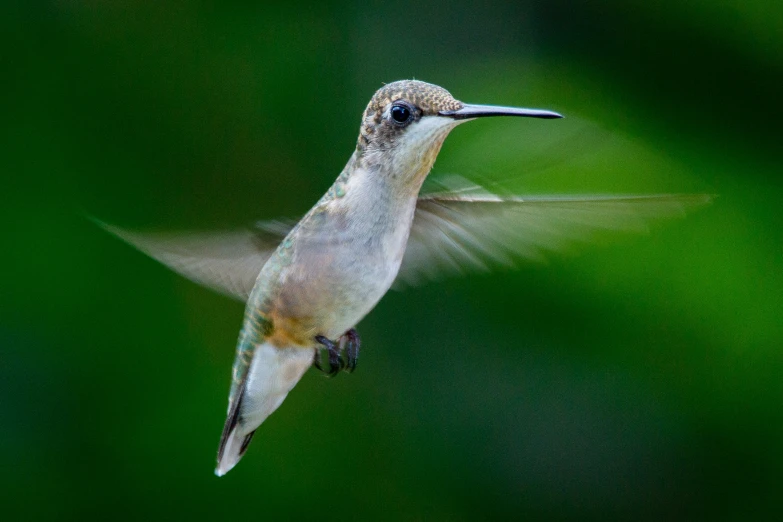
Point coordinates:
[[273, 373]]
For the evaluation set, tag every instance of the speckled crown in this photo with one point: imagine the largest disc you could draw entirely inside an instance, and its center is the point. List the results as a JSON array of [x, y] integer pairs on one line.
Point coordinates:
[[428, 97]]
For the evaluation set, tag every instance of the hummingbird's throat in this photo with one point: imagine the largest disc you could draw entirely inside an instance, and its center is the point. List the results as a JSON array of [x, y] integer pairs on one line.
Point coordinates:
[[414, 153]]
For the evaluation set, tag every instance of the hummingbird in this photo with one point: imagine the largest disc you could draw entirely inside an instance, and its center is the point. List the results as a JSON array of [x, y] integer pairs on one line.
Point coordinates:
[[307, 285]]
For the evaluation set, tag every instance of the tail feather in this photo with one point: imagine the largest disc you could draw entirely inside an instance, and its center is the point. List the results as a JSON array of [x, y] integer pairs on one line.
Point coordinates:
[[273, 373], [233, 448], [233, 444]]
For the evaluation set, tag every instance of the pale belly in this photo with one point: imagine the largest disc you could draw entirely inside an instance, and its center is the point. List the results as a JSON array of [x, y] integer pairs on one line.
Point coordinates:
[[324, 284], [327, 294], [338, 262]]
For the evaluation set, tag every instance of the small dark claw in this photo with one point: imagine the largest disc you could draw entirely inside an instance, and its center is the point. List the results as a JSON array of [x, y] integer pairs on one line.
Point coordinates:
[[349, 345], [336, 362], [317, 360]]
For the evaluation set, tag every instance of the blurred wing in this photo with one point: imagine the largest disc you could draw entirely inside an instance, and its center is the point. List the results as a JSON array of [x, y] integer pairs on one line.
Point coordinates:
[[459, 231], [227, 262]]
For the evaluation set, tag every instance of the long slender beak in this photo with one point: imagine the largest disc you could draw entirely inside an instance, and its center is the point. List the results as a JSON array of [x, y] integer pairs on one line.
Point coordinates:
[[480, 111]]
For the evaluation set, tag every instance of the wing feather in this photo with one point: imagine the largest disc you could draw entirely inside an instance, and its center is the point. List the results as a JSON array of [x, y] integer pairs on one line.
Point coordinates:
[[468, 229], [227, 262]]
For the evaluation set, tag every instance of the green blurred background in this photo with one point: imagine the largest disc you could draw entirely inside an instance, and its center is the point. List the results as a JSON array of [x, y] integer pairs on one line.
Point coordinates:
[[639, 378]]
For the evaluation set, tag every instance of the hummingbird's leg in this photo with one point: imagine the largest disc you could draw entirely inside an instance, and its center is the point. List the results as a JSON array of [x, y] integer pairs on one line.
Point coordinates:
[[349, 345], [335, 361]]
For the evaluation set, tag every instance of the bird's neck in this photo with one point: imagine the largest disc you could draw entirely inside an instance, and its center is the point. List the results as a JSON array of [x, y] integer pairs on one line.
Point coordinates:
[[375, 196], [400, 171]]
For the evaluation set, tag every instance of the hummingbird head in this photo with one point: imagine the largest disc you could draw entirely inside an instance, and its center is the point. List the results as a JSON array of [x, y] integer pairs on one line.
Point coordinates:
[[407, 121]]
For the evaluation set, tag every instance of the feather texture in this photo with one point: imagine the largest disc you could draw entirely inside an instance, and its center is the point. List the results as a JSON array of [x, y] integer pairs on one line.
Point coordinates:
[[463, 230], [227, 262]]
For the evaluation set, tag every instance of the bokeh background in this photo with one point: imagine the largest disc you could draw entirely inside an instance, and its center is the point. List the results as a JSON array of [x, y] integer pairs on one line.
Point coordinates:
[[638, 378]]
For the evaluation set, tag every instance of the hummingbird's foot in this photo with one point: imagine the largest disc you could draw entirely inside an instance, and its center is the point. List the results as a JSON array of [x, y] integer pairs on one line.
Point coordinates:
[[336, 362], [349, 346]]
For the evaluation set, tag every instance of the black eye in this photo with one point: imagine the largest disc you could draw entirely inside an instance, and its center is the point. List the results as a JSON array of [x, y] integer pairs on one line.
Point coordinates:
[[401, 114]]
